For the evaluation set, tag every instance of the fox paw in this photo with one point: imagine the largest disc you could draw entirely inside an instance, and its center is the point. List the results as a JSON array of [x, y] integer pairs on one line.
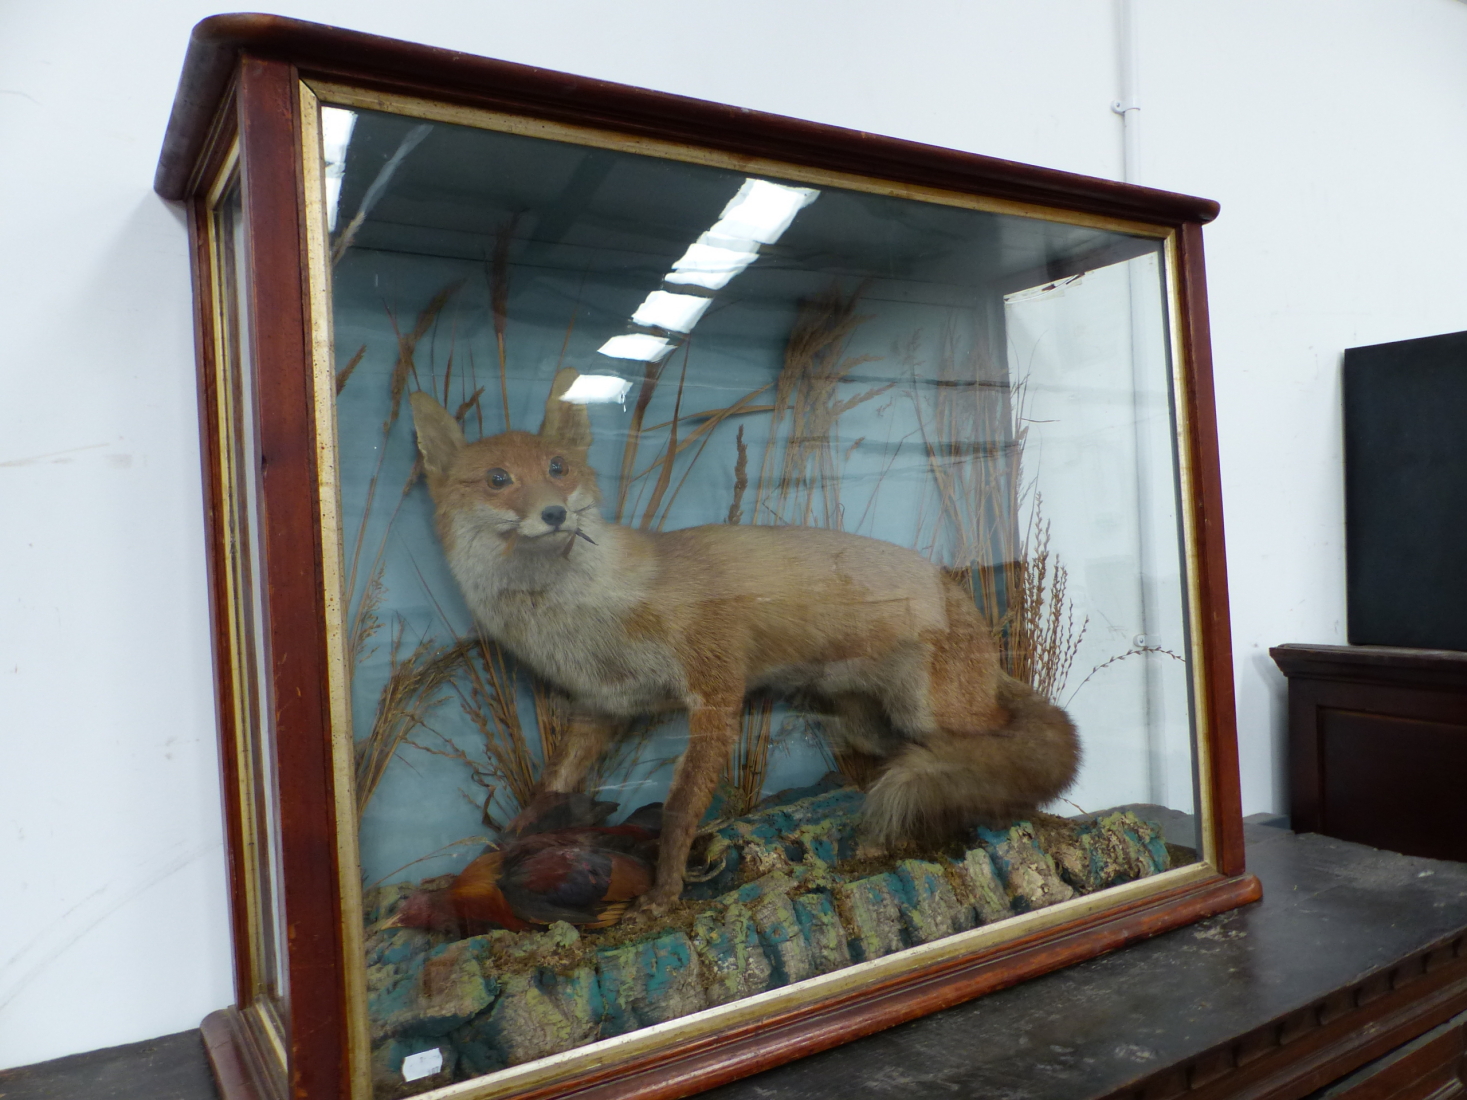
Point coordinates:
[[651, 907], [867, 848]]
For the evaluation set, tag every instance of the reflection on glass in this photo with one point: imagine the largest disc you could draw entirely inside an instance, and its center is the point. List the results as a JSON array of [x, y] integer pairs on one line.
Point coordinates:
[[245, 558], [336, 128], [727, 561]]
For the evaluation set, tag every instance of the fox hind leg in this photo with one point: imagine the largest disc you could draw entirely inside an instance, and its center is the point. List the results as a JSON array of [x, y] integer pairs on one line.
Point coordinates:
[[994, 750], [713, 727], [855, 723], [964, 777]]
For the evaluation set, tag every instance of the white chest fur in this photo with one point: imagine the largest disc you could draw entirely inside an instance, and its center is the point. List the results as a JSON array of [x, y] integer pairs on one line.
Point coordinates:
[[562, 610]]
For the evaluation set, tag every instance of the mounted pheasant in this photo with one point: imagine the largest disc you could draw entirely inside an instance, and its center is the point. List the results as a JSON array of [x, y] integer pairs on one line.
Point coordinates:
[[565, 865]]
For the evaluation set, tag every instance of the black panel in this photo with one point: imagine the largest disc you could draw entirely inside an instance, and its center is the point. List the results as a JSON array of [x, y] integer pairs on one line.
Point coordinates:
[[1406, 492]]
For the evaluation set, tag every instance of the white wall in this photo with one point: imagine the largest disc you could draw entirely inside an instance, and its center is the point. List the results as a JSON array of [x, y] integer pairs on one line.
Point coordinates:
[[1331, 132], [1329, 129]]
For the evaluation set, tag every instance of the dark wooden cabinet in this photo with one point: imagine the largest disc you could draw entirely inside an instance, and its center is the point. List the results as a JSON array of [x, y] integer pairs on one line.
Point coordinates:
[[1378, 745], [1431, 1067]]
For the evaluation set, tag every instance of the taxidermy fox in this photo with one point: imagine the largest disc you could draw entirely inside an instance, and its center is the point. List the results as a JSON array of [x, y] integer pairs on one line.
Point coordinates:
[[872, 636]]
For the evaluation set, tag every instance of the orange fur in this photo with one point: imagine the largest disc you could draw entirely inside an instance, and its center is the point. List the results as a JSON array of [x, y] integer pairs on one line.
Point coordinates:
[[868, 634]]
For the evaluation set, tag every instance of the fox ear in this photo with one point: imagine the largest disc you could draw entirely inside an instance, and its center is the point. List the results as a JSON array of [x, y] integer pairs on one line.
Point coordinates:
[[439, 437], [566, 422]]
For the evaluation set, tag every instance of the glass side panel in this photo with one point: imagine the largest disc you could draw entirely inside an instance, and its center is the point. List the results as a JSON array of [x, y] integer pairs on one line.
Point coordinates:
[[1091, 355], [747, 579], [239, 463]]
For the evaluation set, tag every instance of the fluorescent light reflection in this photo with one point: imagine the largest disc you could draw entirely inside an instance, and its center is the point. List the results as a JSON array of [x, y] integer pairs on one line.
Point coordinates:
[[762, 211], [758, 214], [674, 312], [336, 127], [712, 261], [636, 345], [596, 389]]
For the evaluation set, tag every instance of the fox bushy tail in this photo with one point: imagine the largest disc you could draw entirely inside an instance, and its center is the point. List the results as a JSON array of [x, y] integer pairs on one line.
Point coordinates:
[[955, 779]]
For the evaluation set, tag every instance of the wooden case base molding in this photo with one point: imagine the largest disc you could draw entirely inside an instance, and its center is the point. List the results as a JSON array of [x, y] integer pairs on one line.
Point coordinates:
[[241, 1069], [740, 1051]]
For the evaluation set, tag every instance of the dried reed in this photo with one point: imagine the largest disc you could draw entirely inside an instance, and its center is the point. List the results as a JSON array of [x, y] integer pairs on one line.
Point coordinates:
[[515, 751], [806, 410], [670, 449], [707, 420], [741, 478], [497, 274], [1134, 651], [1040, 638], [748, 764], [344, 374], [413, 688], [651, 374], [364, 622], [488, 693], [974, 437], [974, 433], [797, 469]]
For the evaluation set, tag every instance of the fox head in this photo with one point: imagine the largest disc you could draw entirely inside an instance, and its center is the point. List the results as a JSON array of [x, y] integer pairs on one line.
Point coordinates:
[[528, 489]]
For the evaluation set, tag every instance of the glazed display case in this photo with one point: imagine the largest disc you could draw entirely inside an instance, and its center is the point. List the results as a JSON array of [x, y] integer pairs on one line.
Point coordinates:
[[691, 587]]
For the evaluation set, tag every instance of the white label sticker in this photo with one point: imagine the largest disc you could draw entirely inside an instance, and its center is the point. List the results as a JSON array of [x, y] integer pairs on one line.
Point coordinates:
[[423, 1064]]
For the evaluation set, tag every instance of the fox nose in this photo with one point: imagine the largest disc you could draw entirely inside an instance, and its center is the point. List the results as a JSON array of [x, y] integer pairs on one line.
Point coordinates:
[[554, 515]]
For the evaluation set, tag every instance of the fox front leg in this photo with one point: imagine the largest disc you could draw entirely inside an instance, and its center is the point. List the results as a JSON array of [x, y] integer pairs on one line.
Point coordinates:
[[713, 727], [585, 740]]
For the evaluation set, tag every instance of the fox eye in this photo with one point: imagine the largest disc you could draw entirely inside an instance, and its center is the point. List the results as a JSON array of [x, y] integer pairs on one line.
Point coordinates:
[[498, 478], [557, 466]]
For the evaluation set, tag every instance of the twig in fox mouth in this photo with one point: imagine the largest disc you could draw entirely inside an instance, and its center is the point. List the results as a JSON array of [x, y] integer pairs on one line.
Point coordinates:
[[572, 541]]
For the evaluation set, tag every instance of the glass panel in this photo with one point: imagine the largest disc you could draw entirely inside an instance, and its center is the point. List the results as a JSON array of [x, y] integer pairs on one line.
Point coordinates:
[[1091, 351], [253, 715], [786, 523]]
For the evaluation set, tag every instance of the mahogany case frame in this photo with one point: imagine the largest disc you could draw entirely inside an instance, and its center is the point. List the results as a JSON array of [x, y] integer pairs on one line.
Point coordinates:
[[239, 109]]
